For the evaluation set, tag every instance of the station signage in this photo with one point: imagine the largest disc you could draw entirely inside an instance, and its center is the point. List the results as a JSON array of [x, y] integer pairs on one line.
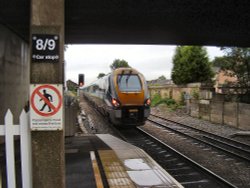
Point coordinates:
[[45, 48], [46, 103]]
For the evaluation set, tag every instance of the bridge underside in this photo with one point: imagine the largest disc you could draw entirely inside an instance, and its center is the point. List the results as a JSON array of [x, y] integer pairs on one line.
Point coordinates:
[[182, 22]]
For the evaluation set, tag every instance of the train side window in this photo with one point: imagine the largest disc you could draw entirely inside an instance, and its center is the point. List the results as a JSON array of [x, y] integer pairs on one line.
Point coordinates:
[[108, 92]]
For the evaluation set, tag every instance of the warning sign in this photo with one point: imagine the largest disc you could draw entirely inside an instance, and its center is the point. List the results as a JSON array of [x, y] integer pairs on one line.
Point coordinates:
[[46, 107]]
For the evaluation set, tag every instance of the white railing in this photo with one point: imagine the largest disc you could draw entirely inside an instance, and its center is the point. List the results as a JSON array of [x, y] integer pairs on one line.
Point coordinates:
[[9, 130]]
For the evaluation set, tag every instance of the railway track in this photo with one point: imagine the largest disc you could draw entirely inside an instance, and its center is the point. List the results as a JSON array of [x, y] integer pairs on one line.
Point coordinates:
[[184, 173], [233, 148], [187, 172]]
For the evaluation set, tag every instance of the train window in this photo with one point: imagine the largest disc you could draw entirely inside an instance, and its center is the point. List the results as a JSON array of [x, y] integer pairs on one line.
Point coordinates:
[[129, 82]]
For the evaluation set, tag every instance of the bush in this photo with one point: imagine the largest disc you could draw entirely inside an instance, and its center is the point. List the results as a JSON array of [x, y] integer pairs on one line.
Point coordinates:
[[195, 94], [156, 100], [168, 101]]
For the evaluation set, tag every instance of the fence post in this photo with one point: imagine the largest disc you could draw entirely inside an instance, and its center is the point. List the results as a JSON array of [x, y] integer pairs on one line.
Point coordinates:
[[9, 145], [25, 144]]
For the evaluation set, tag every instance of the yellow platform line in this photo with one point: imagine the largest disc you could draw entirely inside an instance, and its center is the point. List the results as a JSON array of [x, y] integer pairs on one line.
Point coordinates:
[[97, 173], [115, 171]]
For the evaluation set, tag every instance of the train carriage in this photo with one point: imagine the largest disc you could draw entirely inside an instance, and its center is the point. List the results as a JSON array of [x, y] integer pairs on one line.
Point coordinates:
[[121, 95]]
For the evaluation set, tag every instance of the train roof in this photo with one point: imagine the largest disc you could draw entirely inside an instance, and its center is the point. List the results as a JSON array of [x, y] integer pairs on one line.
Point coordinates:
[[122, 70], [125, 70]]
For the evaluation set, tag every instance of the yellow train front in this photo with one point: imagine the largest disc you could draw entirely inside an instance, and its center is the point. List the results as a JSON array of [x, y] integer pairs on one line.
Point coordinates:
[[122, 96]]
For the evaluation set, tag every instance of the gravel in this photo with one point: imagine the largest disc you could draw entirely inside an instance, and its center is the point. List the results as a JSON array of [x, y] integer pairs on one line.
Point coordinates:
[[182, 117], [92, 121], [233, 171]]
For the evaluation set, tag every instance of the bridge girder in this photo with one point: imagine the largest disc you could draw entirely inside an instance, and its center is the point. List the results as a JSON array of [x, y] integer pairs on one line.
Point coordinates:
[[181, 22]]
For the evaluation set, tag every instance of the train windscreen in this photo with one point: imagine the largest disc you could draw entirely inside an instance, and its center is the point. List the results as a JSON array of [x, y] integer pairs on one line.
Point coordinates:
[[129, 83]]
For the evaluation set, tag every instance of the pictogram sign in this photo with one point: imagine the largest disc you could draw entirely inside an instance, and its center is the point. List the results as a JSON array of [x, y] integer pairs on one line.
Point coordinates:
[[46, 106]]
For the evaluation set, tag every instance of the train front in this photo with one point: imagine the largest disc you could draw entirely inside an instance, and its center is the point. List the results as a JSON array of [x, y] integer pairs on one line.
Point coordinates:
[[131, 102]]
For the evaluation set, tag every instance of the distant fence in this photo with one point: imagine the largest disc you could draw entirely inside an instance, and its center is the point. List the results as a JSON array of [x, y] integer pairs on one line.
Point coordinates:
[[229, 113], [9, 130], [210, 107], [174, 91]]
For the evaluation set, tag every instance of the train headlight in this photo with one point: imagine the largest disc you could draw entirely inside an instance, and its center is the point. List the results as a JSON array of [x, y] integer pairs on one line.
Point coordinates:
[[147, 102], [115, 102]]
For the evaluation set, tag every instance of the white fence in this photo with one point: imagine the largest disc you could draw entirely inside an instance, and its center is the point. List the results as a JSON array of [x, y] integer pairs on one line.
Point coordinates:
[[9, 130]]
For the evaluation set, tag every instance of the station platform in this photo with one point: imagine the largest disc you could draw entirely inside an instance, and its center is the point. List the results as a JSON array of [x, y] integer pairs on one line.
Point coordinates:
[[103, 160]]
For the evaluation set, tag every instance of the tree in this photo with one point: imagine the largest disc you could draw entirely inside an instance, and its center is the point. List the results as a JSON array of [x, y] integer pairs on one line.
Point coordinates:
[[162, 77], [236, 63], [100, 75], [191, 64], [117, 63], [219, 61]]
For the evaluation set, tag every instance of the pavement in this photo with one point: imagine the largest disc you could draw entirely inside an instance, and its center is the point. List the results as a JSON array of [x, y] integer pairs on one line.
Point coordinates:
[[79, 170]]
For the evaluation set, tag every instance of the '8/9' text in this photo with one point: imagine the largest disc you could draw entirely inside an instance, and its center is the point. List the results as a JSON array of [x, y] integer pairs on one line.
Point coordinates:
[[49, 44]]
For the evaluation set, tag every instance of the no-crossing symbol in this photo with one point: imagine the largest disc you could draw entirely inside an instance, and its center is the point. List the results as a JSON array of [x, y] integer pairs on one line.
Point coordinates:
[[46, 106], [45, 90]]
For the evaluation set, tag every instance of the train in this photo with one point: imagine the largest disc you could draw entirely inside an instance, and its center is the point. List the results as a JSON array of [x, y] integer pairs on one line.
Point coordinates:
[[122, 96]]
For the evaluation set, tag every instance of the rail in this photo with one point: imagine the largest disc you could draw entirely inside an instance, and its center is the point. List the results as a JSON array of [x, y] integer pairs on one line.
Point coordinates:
[[188, 172], [229, 146]]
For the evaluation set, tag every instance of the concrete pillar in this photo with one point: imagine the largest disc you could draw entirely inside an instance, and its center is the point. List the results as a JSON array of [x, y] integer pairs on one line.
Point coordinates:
[[47, 17]]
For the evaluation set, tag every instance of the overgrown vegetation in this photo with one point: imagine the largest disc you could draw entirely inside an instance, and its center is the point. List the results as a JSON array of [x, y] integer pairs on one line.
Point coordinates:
[[236, 64], [70, 98], [182, 99], [72, 88], [195, 94], [157, 100]]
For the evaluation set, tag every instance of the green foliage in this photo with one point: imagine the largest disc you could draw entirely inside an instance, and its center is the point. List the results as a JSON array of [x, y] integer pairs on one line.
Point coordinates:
[[74, 93], [169, 101], [117, 63], [100, 75], [162, 78], [219, 61], [191, 64], [156, 100], [182, 99], [70, 98], [236, 63], [195, 94], [72, 88]]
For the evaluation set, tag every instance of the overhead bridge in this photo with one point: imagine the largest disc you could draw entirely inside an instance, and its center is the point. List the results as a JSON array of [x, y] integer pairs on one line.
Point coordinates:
[[33, 30], [182, 22]]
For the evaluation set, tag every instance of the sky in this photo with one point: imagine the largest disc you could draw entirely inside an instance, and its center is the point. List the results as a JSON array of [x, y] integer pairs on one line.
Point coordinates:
[[152, 61]]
